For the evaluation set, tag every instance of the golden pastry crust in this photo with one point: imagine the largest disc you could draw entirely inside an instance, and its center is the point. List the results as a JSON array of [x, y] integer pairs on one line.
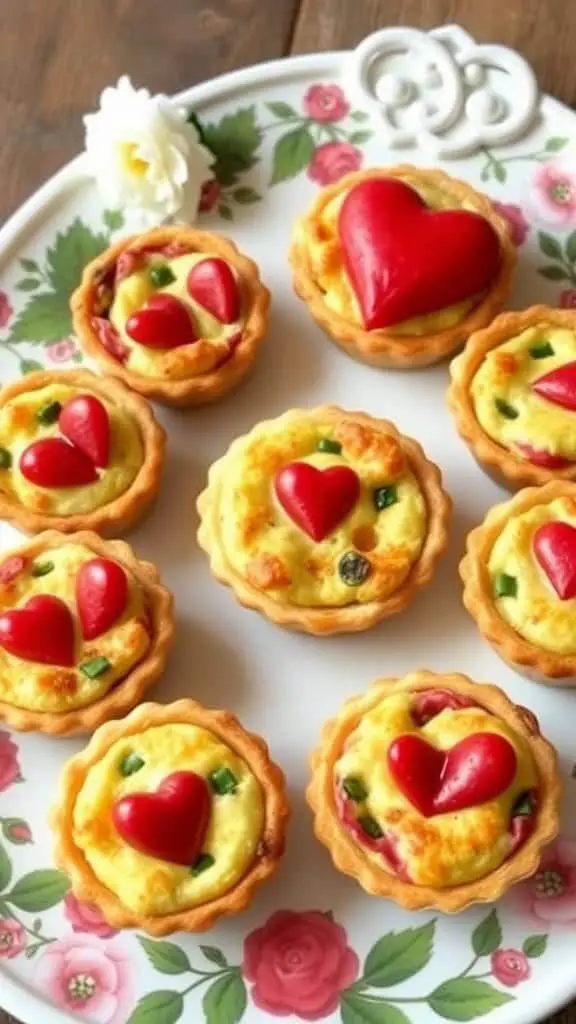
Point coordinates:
[[352, 617], [384, 348], [349, 857], [206, 387], [499, 462], [126, 510], [128, 691], [535, 662], [254, 752]]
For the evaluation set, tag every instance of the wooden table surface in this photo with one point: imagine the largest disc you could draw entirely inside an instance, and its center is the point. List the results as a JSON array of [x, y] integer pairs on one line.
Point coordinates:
[[56, 56]]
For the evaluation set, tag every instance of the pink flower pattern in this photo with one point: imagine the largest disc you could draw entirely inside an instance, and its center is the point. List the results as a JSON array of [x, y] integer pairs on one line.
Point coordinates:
[[87, 977], [552, 197], [61, 351], [567, 298], [325, 103], [6, 311], [9, 765], [510, 967], [549, 897], [12, 938], [513, 215], [332, 160], [85, 918]]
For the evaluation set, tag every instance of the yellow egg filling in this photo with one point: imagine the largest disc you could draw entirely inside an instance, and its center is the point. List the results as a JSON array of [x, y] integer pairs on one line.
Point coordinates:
[[505, 405], [50, 688], [445, 849], [145, 884], [535, 611], [276, 555], [20, 427]]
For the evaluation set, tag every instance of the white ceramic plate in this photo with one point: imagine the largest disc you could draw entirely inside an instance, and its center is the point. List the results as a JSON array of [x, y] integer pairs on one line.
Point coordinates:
[[313, 945]]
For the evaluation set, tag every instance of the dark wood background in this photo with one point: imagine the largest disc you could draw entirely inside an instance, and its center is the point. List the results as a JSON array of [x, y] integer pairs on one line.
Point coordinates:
[[57, 55]]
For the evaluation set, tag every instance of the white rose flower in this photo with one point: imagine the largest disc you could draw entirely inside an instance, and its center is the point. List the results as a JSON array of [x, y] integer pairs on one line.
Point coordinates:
[[145, 155]]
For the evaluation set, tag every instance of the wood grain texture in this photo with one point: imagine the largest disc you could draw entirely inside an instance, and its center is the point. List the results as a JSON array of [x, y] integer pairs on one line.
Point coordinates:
[[73, 48]]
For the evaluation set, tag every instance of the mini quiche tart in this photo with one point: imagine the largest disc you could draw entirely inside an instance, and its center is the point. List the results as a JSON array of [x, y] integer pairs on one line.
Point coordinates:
[[178, 314], [434, 791], [324, 520], [513, 396], [76, 451], [519, 577], [400, 264], [85, 628], [170, 818]]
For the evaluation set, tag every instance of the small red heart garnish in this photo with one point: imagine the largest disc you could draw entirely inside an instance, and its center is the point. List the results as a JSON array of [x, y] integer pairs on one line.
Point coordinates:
[[558, 386], [164, 322], [476, 770], [169, 824], [42, 631], [555, 550], [404, 259], [213, 285], [429, 703], [84, 421], [317, 500], [52, 462], [540, 457], [101, 595]]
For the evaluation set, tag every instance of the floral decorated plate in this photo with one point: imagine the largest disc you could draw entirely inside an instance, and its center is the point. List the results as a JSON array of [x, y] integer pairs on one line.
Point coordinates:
[[313, 946]]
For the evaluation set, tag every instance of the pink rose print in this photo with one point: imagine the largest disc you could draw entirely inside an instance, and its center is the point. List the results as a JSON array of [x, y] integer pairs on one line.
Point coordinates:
[[299, 963], [87, 977], [552, 198], [12, 938], [567, 298], [325, 103], [209, 195], [17, 831], [9, 766], [510, 967], [61, 351], [6, 310], [332, 160], [519, 226], [85, 918], [549, 897]]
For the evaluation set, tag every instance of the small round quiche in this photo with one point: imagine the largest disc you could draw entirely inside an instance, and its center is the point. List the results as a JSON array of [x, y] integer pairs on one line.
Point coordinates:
[[77, 451], [85, 628], [171, 818], [324, 520], [400, 264], [519, 575], [178, 314], [513, 396], [434, 791]]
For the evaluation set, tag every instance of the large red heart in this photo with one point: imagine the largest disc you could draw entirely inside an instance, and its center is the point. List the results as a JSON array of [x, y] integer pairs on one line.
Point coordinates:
[[84, 421], [171, 823], [101, 595], [555, 550], [558, 386], [317, 499], [476, 770], [212, 284], [52, 462], [404, 259], [164, 322], [41, 631]]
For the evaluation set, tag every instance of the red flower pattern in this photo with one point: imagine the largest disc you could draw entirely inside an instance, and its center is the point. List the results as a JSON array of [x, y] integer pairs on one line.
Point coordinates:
[[332, 160], [513, 215], [9, 765], [510, 967], [85, 918], [567, 298], [325, 103], [6, 311], [12, 938]]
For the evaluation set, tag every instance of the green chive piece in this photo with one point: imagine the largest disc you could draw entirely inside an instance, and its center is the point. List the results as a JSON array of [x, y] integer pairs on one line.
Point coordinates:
[[542, 351], [370, 826], [42, 568], [524, 806], [49, 412], [506, 586], [131, 763], [161, 275], [95, 668], [385, 496], [505, 409], [205, 861], [354, 569], [355, 789], [325, 444], [223, 781], [5, 458]]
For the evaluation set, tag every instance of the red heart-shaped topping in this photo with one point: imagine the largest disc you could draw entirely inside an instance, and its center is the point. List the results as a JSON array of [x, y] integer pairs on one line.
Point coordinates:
[[558, 386], [404, 259], [317, 499], [476, 770], [42, 631], [169, 824], [84, 421], [52, 462], [555, 550], [164, 322], [213, 285], [101, 595], [540, 457]]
